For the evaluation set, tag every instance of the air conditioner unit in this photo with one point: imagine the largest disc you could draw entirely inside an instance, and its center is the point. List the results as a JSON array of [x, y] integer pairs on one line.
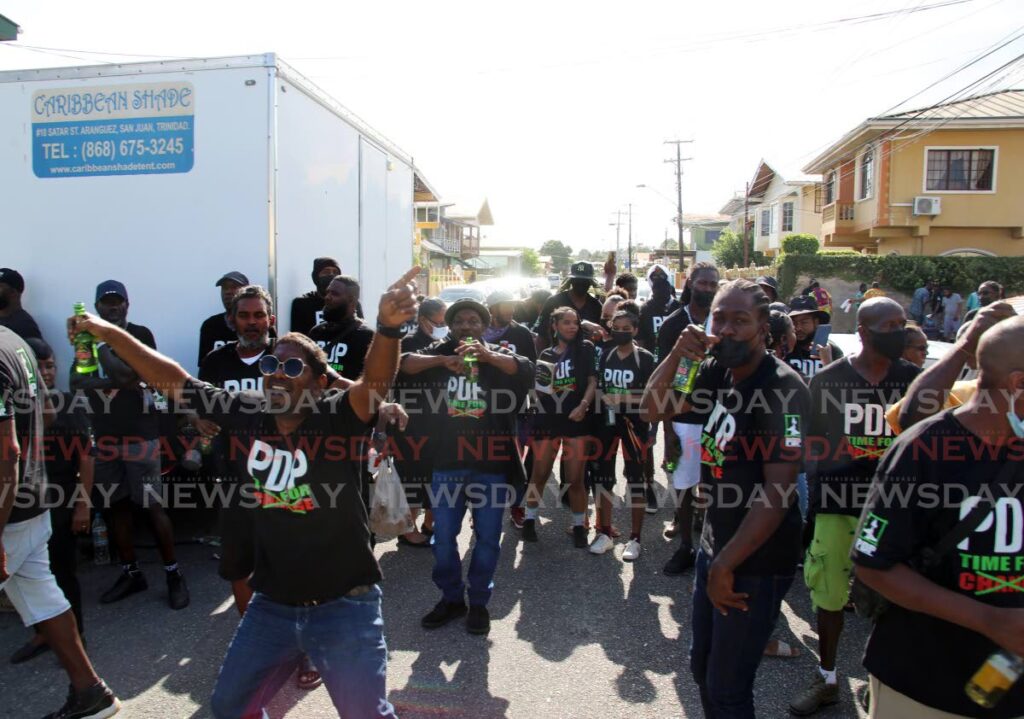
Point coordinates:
[[927, 205]]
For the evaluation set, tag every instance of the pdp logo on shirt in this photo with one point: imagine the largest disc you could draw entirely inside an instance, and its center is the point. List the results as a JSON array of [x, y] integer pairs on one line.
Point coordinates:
[[870, 534], [791, 431]]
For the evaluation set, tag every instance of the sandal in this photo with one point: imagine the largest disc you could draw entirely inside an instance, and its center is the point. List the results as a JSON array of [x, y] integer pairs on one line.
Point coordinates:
[[402, 539], [308, 678], [30, 650], [782, 650], [672, 531]]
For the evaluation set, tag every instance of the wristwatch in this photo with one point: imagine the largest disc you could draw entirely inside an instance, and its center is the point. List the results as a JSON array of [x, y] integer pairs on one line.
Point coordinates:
[[394, 333]]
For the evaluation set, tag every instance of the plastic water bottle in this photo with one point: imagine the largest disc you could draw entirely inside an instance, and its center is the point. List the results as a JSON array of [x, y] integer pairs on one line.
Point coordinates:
[[86, 361], [100, 545]]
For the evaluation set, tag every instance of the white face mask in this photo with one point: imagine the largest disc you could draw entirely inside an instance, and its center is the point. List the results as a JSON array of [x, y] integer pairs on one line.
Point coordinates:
[[439, 332]]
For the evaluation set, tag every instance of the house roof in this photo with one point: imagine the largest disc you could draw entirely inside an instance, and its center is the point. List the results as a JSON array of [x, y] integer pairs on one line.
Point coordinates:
[[462, 211], [1003, 109]]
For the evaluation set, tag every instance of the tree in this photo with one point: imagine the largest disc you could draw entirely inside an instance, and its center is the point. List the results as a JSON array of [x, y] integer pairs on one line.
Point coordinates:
[[585, 255], [561, 255], [728, 251], [531, 263], [670, 245]]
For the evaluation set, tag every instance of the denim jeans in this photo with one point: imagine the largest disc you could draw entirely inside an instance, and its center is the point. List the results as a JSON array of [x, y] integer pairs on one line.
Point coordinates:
[[802, 497], [344, 639], [486, 496], [726, 650]]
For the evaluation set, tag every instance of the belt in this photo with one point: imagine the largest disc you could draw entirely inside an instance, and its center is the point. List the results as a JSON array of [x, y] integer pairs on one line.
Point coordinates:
[[354, 592]]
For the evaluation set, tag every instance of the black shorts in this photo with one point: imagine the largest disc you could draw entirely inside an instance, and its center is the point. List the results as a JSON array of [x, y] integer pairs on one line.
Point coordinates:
[[552, 426], [634, 445]]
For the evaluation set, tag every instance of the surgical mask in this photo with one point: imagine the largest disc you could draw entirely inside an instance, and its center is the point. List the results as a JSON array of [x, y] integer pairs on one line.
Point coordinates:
[[1015, 422], [731, 353], [439, 332], [889, 344], [623, 337], [702, 298]]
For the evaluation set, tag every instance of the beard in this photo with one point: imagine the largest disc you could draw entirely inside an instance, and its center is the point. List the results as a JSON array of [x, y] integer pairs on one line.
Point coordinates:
[[261, 342]]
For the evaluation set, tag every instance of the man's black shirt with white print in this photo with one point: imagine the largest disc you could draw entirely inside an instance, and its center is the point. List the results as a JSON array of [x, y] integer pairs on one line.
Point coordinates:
[[925, 658], [653, 314], [747, 425], [346, 344], [300, 528], [223, 367], [668, 335], [516, 338], [849, 433], [800, 359]]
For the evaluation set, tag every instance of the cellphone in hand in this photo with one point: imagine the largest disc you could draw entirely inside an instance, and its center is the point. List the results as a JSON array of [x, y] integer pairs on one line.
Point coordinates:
[[821, 336]]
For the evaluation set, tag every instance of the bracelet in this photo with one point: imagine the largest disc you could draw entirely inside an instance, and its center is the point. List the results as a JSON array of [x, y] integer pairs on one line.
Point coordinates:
[[394, 333]]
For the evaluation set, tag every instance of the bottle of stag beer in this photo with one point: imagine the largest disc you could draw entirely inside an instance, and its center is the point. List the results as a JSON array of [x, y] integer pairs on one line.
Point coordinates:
[[86, 360]]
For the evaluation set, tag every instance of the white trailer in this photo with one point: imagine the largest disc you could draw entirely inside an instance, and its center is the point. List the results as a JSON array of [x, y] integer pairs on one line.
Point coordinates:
[[166, 175]]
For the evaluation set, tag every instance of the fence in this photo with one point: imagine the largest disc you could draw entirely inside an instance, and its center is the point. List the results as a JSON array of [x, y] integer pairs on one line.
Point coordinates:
[[748, 273]]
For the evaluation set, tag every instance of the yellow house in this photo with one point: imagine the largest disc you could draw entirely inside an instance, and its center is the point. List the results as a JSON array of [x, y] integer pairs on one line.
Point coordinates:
[[943, 180]]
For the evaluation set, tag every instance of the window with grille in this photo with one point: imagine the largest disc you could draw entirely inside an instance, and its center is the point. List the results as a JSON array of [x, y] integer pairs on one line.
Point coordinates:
[[830, 188], [966, 170], [766, 222], [787, 216], [867, 175]]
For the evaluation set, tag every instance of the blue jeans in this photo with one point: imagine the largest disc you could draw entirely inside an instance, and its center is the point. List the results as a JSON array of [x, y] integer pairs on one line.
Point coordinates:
[[486, 496], [726, 650], [344, 639], [802, 493]]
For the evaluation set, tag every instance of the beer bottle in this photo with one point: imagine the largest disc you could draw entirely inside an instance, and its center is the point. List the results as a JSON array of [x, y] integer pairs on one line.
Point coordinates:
[[995, 677], [470, 363], [86, 360]]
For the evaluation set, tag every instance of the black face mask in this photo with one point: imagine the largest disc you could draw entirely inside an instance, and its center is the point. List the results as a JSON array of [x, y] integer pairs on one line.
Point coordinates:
[[338, 313], [580, 287], [702, 298], [323, 282], [889, 344], [622, 338], [731, 353], [4, 302], [660, 287], [985, 301]]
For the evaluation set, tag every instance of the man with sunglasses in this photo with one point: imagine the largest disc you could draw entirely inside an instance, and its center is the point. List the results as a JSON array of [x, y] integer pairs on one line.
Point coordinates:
[[301, 531], [342, 335]]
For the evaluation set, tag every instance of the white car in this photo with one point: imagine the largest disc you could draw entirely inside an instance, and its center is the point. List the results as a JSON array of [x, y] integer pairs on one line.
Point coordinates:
[[850, 344]]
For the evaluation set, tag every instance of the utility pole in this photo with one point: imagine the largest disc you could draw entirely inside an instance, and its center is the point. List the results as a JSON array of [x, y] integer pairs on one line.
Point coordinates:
[[618, 224], [629, 250], [679, 160], [746, 202]]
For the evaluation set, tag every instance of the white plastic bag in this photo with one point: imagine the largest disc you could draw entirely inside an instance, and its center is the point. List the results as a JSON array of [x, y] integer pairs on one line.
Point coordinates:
[[389, 509]]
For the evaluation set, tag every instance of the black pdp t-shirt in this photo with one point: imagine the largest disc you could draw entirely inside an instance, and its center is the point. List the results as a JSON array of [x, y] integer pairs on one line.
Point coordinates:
[[297, 522], [849, 433], [926, 658], [224, 368], [346, 345], [571, 371], [652, 316], [668, 335], [22, 324], [807, 366], [760, 420], [618, 375], [516, 338], [214, 333]]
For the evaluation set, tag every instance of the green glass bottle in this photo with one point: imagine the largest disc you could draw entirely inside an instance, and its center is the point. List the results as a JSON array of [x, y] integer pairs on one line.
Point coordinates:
[[686, 373], [470, 363], [86, 358]]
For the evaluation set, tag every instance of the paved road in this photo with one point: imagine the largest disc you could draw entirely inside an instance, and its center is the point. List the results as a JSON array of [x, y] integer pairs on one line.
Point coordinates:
[[573, 635]]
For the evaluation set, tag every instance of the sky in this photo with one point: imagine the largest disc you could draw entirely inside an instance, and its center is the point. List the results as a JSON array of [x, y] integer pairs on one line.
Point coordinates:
[[556, 111]]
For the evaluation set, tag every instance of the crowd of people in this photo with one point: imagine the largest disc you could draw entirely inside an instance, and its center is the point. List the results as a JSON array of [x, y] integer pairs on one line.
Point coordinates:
[[780, 452]]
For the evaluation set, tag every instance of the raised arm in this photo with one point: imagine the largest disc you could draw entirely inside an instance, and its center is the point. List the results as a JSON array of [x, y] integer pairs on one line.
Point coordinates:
[[156, 370], [397, 306], [660, 401]]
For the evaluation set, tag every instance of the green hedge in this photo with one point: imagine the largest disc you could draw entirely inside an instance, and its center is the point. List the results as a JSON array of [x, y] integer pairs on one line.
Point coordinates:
[[903, 274]]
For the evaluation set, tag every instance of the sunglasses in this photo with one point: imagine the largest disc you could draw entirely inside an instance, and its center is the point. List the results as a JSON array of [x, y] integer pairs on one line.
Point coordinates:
[[293, 366]]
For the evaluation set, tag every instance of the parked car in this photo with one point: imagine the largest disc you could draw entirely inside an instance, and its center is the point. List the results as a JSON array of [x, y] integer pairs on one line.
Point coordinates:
[[850, 344], [554, 281], [457, 292]]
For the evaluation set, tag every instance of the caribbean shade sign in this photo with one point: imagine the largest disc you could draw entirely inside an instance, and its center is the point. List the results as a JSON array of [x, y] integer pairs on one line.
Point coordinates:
[[144, 129]]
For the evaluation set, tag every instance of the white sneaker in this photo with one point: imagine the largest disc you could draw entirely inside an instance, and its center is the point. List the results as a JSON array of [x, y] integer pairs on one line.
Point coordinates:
[[632, 551], [602, 544]]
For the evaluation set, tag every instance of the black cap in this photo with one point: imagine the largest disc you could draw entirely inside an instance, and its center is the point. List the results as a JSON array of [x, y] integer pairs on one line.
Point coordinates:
[[466, 304], [581, 271], [12, 278], [111, 287], [234, 276], [498, 297], [769, 282], [805, 304]]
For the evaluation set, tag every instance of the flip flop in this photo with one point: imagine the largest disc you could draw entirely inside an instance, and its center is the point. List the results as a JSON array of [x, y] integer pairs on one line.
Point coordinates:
[[30, 650], [782, 650]]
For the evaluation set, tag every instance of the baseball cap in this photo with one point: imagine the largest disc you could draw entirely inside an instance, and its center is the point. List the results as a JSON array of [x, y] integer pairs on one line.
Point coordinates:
[[769, 282], [111, 287], [582, 271], [805, 304], [12, 278], [234, 276]]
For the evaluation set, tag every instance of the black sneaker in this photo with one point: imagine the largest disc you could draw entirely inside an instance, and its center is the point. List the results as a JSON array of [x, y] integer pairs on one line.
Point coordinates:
[[443, 613], [177, 591], [579, 537], [479, 620], [530, 530], [96, 702], [652, 500], [127, 584], [682, 560]]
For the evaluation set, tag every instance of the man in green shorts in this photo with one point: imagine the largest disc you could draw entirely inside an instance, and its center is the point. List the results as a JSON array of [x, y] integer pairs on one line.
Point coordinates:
[[848, 434]]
